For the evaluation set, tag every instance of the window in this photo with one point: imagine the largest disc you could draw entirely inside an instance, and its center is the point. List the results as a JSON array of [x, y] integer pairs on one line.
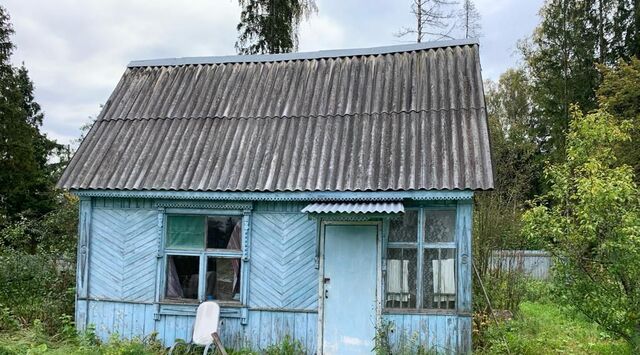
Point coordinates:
[[203, 258], [421, 260]]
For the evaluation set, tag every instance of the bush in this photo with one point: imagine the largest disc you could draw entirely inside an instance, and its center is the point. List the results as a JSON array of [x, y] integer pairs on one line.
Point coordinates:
[[34, 288]]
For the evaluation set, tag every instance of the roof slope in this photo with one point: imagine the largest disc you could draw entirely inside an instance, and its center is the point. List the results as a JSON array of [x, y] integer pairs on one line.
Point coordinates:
[[411, 119]]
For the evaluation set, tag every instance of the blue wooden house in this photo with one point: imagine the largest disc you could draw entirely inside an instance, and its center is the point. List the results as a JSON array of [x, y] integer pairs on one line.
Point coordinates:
[[314, 195]]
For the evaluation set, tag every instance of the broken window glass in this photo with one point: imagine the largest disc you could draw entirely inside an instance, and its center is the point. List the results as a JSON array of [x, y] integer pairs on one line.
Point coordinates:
[[182, 276], [223, 279]]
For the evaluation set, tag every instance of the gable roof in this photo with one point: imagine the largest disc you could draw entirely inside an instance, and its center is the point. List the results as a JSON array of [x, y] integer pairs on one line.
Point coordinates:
[[408, 117]]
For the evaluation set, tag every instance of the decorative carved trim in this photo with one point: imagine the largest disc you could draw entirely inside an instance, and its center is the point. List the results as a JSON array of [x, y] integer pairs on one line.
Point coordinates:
[[285, 196], [221, 205]]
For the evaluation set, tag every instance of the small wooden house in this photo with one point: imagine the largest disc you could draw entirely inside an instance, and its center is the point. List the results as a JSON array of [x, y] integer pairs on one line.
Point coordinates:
[[315, 195]]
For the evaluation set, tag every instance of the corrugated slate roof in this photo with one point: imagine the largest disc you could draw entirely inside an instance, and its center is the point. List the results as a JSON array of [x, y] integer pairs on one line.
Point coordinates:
[[346, 207], [408, 120]]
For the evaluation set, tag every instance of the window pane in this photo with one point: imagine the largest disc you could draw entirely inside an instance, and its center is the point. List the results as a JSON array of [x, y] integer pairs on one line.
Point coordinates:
[[224, 232], [223, 279], [182, 276], [401, 278], [440, 226], [439, 278], [404, 228], [185, 232]]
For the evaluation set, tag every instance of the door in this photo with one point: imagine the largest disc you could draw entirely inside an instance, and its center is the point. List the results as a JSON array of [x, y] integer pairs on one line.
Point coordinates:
[[350, 270]]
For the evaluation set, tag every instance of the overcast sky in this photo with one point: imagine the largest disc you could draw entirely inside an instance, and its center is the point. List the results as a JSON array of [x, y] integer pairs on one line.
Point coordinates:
[[76, 50]]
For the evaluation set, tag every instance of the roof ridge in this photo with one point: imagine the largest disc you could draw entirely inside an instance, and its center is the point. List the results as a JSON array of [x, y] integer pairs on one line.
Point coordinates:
[[296, 116], [333, 53]]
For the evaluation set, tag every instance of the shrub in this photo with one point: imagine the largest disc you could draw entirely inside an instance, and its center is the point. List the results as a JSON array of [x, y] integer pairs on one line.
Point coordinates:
[[33, 288], [590, 220]]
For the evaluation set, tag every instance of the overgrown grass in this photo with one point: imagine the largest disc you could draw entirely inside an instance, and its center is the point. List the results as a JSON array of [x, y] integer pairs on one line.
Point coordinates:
[[35, 340], [547, 328]]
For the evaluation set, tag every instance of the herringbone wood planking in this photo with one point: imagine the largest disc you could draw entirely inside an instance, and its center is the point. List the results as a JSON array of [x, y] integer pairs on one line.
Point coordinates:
[[283, 273], [122, 262]]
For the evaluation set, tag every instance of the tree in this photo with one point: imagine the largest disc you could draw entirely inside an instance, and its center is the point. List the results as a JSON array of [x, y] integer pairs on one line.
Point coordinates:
[[619, 93], [470, 19], [432, 19], [26, 182], [590, 221], [497, 214], [561, 61], [270, 26], [625, 28]]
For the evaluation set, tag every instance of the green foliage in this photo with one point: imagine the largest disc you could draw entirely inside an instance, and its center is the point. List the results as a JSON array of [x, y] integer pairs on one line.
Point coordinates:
[[270, 26], [53, 234], [286, 346], [620, 95], [560, 59], [562, 55], [381, 341], [547, 328], [408, 344], [497, 213], [590, 220], [26, 177], [33, 341], [35, 288]]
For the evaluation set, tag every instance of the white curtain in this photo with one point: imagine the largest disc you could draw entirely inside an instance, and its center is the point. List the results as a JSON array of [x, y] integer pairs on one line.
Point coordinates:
[[398, 280], [444, 280]]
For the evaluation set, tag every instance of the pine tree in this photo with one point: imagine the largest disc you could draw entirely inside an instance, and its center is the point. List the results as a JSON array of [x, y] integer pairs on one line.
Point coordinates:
[[26, 184], [270, 26]]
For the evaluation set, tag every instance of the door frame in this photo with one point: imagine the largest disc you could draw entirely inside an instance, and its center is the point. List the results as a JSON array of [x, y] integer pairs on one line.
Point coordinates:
[[323, 224]]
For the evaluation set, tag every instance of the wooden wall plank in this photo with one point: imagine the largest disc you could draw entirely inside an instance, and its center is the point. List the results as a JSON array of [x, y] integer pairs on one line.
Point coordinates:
[[436, 332], [464, 224], [283, 273], [122, 265], [83, 259]]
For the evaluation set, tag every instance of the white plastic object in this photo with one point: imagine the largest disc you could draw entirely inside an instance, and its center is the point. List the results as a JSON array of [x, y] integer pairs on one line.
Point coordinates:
[[207, 317]]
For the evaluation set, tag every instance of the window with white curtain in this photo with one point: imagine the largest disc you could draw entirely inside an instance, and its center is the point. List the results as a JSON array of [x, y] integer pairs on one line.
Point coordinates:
[[421, 260]]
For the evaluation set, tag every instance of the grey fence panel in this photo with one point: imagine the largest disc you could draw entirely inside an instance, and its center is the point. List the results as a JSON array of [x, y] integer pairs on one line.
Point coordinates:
[[533, 263]]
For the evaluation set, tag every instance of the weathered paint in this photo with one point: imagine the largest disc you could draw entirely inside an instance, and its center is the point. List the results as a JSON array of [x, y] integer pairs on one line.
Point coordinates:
[[121, 235], [464, 223], [264, 328], [437, 332], [123, 254], [283, 262], [350, 280], [82, 273]]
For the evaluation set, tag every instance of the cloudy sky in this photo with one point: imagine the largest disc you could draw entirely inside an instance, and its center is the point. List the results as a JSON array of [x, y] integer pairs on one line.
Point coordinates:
[[76, 50]]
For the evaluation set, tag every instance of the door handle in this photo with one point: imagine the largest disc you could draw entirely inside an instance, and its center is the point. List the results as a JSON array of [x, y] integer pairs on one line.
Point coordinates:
[[326, 293]]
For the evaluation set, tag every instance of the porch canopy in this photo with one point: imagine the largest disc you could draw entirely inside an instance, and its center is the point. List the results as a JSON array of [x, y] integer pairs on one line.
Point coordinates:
[[347, 207]]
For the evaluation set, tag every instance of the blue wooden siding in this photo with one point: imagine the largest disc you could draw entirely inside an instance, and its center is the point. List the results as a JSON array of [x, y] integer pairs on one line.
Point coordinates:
[[283, 273], [264, 328], [436, 332], [283, 279], [122, 262]]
